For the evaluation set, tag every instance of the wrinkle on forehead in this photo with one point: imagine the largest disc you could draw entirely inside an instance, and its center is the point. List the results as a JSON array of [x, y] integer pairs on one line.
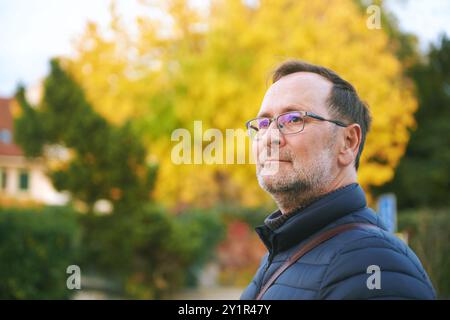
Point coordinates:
[[307, 90]]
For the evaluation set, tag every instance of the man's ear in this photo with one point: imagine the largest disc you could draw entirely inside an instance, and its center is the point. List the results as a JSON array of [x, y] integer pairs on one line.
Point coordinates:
[[349, 149]]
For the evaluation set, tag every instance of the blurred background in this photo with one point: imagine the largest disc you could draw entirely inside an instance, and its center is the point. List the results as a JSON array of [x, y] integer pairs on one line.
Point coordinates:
[[91, 91]]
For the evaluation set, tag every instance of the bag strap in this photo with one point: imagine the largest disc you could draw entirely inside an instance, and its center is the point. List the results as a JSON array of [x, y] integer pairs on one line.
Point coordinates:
[[308, 247]]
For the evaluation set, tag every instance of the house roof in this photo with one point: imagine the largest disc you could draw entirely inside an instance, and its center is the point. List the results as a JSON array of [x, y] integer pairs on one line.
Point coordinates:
[[7, 148]]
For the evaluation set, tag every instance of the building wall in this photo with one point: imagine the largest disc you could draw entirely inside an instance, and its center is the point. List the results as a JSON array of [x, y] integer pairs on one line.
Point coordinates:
[[39, 186]]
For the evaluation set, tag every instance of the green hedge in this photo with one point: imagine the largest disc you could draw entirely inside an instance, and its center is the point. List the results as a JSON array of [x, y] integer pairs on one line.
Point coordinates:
[[152, 253], [143, 253], [149, 252], [429, 236], [36, 247]]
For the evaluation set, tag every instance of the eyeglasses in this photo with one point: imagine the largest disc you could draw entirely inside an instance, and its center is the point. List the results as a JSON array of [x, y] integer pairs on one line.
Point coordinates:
[[288, 123]]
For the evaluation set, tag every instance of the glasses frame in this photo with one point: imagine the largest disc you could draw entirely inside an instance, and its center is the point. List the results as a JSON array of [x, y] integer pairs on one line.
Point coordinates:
[[304, 114]]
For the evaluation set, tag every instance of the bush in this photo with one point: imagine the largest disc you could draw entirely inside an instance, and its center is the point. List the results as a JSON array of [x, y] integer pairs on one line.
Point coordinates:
[[240, 253], [253, 216], [429, 236], [197, 235], [149, 252], [36, 247], [143, 253]]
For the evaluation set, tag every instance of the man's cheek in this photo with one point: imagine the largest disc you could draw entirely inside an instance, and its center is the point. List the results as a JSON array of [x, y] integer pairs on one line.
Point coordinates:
[[259, 153], [255, 151]]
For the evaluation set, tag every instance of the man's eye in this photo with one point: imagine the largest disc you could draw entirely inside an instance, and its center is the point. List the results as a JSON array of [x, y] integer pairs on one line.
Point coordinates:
[[290, 119]]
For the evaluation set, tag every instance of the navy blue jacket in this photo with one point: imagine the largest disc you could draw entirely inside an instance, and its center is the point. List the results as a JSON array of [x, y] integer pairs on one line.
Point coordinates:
[[337, 268]]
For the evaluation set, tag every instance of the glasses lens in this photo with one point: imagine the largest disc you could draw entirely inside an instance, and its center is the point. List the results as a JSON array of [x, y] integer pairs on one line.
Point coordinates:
[[291, 122], [263, 123], [252, 128], [257, 127]]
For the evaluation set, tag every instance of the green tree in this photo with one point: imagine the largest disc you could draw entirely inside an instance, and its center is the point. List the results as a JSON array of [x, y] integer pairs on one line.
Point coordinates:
[[148, 252], [102, 161], [423, 176]]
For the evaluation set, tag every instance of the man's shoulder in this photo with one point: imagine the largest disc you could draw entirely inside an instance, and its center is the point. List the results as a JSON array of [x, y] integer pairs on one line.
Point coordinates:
[[372, 237], [375, 244], [359, 252]]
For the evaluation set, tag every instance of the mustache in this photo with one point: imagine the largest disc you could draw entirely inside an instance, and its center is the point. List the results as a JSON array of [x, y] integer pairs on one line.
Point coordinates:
[[268, 154]]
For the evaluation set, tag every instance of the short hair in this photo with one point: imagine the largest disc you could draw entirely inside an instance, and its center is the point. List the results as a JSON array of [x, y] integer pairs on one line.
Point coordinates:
[[343, 100]]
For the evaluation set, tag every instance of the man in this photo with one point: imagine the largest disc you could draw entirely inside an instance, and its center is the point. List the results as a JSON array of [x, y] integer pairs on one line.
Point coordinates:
[[307, 139]]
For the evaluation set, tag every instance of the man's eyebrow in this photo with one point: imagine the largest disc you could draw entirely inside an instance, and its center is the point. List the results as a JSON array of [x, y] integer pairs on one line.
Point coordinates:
[[291, 107]]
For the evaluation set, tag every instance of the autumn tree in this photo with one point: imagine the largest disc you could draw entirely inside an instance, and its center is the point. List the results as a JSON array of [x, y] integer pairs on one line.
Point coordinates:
[[213, 64]]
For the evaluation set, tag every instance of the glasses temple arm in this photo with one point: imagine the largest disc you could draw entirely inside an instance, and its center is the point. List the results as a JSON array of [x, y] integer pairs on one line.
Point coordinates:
[[336, 122]]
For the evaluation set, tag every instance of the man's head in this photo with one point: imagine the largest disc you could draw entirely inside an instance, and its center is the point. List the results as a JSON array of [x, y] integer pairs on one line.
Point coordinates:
[[324, 153]]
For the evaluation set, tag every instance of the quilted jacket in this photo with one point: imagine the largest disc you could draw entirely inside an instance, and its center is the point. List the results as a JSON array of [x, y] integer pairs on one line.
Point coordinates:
[[339, 268]]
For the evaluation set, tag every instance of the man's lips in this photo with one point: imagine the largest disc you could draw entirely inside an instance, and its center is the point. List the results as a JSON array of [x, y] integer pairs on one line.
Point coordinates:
[[275, 160]]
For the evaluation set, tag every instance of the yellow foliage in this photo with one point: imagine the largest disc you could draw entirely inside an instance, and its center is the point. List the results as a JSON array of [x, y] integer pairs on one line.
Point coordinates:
[[215, 67]]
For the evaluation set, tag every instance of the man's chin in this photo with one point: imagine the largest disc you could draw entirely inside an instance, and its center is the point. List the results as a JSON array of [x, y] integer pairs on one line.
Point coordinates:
[[274, 168], [274, 183]]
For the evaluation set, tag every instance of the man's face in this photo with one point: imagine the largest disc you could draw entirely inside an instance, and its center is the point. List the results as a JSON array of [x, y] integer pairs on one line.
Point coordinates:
[[304, 161]]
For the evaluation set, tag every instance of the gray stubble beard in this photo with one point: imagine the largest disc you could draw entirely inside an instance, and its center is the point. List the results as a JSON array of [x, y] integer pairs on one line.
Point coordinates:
[[302, 184]]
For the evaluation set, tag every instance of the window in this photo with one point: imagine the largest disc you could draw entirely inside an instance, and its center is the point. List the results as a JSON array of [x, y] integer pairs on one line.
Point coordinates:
[[5, 136], [23, 180], [3, 178]]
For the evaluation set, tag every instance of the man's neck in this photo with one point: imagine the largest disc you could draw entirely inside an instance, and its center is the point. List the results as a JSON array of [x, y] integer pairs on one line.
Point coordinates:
[[289, 202]]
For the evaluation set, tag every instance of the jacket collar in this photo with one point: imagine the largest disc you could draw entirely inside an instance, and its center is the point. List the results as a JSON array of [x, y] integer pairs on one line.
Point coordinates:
[[313, 218]]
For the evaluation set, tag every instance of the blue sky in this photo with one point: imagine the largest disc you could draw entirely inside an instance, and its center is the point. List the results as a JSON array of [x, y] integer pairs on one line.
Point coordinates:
[[31, 32]]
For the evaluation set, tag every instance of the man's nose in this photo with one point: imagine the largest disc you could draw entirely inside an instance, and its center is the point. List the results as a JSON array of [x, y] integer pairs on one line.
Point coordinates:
[[273, 138]]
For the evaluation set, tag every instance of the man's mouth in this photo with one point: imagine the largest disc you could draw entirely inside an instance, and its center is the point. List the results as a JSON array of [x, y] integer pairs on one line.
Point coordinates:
[[275, 160]]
